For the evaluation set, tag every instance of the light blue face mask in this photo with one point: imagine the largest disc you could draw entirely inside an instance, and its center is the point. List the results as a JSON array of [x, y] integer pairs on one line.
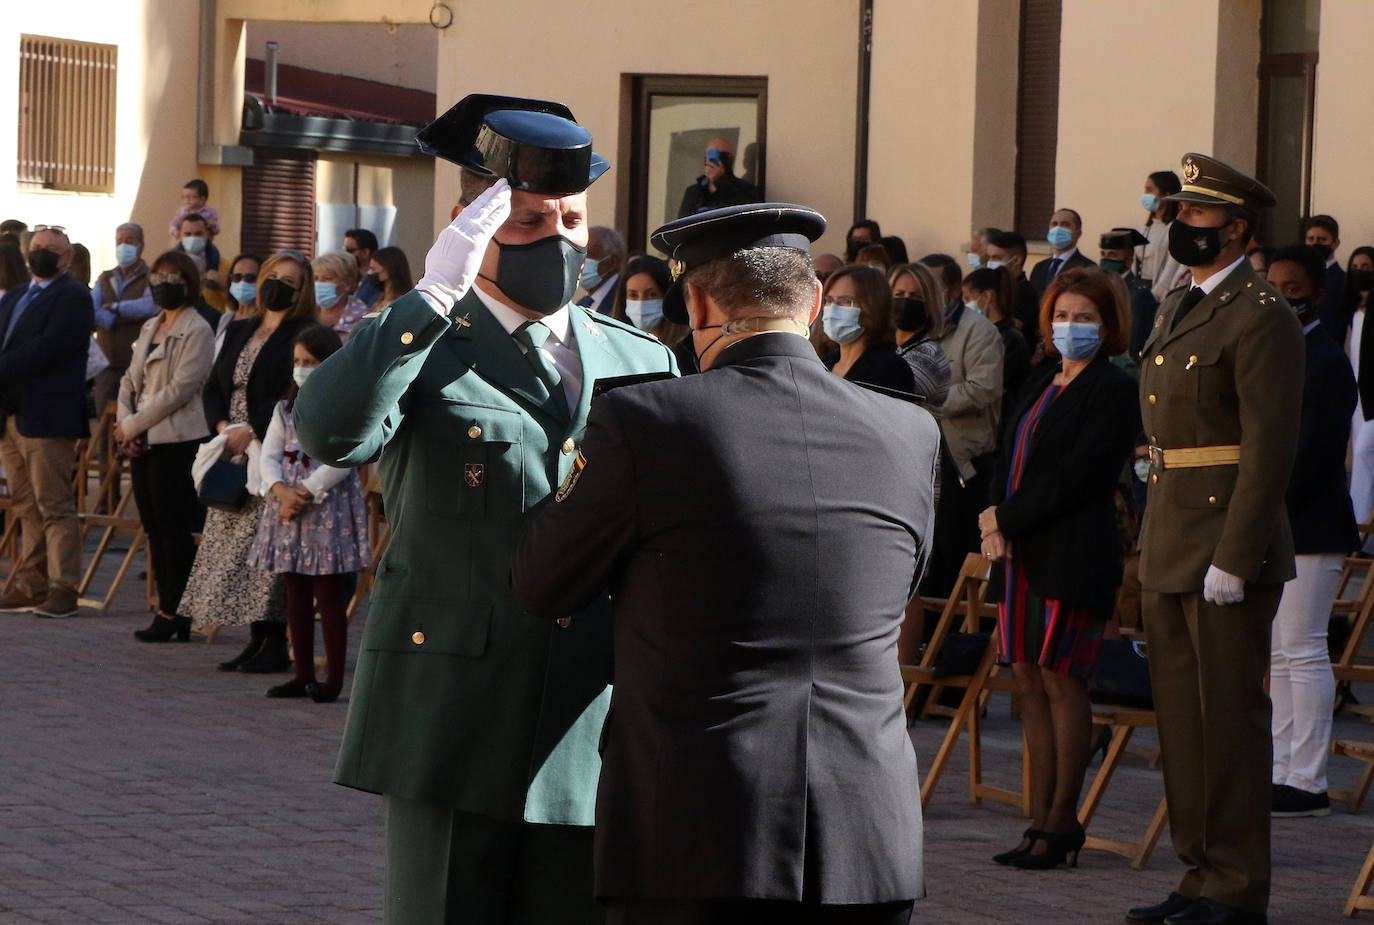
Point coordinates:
[[243, 292], [994, 264], [974, 261], [1150, 201], [841, 323], [1076, 340], [973, 307], [326, 294], [1059, 237], [591, 277], [644, 313], [126, 255], [193, 245]]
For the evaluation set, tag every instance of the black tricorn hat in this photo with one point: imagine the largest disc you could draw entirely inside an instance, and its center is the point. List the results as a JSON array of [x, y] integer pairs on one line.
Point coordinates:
[[689, 242], [1122, 237], [534, 144]]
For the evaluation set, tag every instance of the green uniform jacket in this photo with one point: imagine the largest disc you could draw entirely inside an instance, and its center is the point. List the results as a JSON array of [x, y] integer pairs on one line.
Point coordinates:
[[1232, 373], [461, 698]]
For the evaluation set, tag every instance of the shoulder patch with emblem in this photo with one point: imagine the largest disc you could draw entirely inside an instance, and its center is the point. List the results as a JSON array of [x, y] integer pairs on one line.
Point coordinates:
[[575, 473]]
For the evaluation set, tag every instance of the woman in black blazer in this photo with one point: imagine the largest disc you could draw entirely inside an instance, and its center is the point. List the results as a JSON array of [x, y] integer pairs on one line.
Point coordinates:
[[1051, 533], [251, 374], [856, 316]]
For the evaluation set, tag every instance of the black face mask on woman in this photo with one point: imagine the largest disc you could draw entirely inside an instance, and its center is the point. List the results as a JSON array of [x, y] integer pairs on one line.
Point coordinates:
[[910, 314], [169, 295], [1361, 280], [276, 295]]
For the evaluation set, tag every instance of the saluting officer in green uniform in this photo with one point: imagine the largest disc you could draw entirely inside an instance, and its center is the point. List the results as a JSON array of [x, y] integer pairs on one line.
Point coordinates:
[[1221, 389], [477, 722]]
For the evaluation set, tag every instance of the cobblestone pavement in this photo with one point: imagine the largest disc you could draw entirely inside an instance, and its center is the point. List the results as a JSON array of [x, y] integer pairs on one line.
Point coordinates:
[[139, 784]]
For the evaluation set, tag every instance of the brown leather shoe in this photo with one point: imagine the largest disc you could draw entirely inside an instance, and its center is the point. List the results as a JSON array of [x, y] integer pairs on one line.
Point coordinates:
[[59, 605], [17, 600]]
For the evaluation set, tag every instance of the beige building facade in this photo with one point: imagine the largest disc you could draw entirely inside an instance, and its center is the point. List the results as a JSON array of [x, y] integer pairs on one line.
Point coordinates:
[[911, 112]]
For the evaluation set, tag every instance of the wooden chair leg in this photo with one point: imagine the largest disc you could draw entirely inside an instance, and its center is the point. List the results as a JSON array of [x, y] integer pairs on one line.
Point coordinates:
[[1121, 735], [1147, 844], [1358, 900]]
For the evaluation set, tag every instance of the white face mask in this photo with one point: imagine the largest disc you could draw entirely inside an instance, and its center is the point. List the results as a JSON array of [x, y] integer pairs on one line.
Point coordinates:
[[994, 264], [301, 373]]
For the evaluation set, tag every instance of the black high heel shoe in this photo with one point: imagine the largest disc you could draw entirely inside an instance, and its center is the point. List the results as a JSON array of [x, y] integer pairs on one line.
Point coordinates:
[[1060, 848], [323, 693], [163, 629], [1028, 840]]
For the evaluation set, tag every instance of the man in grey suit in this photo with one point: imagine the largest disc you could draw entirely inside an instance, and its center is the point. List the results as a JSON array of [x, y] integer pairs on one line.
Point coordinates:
[[760, 528]]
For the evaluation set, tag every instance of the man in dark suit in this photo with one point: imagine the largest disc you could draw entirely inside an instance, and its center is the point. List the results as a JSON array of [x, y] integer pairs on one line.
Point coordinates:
[[1324, 233], [1066, 227], [718, 186], [1008, 249], [1221, 388], [760, 528], [45, 336]]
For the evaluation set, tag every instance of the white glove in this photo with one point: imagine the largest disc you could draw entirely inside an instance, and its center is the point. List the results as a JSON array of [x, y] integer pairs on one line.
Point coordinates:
[[1222, 587], [452, 263]]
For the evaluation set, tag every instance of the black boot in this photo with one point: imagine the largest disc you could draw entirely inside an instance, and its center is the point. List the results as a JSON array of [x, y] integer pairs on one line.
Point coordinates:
[[254, 643], [272, 656], [163, 629]]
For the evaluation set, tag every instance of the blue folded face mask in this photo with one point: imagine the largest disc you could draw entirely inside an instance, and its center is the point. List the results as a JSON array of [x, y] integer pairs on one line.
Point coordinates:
[[326, 294], [126, 255], [591, 277], [1076, 340], [1059, 237], [841, 323], [644, 313], [1150, 201], [243, 292]]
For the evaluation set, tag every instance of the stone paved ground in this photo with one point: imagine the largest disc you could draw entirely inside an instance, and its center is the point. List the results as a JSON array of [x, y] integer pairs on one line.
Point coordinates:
[[139, 784]]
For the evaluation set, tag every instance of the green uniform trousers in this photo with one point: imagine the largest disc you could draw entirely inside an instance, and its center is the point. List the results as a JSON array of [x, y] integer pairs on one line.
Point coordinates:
[[1207, 667], [444, 866]]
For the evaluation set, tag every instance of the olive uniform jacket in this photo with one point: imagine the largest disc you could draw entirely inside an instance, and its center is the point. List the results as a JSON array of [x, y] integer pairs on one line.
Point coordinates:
[[760, 527], [1230, 373], [461, 698]]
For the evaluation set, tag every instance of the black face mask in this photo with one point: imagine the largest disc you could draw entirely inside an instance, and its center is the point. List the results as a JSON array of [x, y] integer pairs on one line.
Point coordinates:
[[1193, 246], [541, 276], [1361, 280], [43, 263], [1323, 249], [910, 314], [276, 295], [169, 295]]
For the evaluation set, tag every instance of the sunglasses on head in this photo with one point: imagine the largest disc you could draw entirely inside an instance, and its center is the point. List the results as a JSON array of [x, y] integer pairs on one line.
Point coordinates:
[[157, 279], [60, 229], [243, 277]]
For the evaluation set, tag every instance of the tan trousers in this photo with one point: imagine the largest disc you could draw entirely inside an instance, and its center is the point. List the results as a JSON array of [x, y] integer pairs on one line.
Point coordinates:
[[1207, 667], [39, 473]]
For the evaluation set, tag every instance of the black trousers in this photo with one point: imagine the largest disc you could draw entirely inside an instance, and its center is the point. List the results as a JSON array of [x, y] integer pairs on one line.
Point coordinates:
[[170, 513], [752, 912]]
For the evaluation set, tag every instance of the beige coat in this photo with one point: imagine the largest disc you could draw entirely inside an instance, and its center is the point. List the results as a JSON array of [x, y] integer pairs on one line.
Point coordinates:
[[160, 394], [971, 412]]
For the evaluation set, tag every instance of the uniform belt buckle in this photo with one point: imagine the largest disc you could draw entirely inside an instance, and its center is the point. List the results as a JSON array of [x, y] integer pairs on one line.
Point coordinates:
[[1156, 456]]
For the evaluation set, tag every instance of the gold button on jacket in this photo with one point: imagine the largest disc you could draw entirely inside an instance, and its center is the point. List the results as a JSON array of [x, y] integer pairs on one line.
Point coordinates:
[[417, 637]]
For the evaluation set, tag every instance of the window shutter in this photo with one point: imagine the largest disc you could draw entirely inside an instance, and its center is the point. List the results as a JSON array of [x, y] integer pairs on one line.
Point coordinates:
[[1037, 118], [279, 202], [66, 114]]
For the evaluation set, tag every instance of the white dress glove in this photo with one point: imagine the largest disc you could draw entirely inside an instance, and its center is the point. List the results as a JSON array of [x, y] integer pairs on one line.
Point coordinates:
[[1222, 587], [452, 263]]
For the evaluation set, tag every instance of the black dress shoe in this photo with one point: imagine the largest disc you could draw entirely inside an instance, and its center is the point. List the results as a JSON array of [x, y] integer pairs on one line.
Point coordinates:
[[1204, 911], [1153, 915], [291, 689], [322, 693]]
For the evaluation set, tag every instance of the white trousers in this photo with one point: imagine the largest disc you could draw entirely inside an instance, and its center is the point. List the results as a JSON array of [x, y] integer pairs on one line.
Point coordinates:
[[1300, 681], [1362, 470]]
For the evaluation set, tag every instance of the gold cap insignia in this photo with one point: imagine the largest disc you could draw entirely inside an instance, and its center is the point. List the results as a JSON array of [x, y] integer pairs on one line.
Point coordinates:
[[676, 268], [1190, 171]]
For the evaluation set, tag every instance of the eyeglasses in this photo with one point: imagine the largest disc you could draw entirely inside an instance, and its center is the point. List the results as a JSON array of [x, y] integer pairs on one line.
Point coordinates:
[[352, 250], [243, 277], [60, 229], [157, 279], [844, 301]]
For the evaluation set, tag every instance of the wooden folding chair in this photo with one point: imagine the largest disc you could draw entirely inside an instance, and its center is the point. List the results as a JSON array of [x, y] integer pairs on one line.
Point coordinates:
[[114, 524], [1360, 751], [1122, 721], [1358, 899], [965, 604]]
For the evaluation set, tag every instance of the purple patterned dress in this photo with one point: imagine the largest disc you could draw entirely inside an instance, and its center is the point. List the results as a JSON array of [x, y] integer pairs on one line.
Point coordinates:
[[327, 538]]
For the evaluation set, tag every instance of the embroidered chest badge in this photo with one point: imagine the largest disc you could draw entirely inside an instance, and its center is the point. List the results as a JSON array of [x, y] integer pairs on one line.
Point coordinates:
[[473, 473], [574, 474]]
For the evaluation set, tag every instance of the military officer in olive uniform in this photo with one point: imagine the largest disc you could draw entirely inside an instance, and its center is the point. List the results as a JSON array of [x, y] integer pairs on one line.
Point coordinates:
[[1221, 390], [477, 722]]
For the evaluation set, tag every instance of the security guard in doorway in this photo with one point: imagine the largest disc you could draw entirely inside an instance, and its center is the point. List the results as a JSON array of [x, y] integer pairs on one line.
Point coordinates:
[[476, 721], [761, 527], [1221, 391]]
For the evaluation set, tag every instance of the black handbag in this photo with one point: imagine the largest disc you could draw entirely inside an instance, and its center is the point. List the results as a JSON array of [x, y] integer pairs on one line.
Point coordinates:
[[225, 486], [960, 654], [1121, 676]]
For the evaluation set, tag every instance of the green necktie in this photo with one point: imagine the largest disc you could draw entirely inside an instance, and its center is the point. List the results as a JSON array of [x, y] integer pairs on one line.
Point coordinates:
[[532, 335]]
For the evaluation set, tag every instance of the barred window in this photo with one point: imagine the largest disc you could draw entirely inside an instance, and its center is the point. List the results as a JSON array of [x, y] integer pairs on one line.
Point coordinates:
[[66, 114]]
